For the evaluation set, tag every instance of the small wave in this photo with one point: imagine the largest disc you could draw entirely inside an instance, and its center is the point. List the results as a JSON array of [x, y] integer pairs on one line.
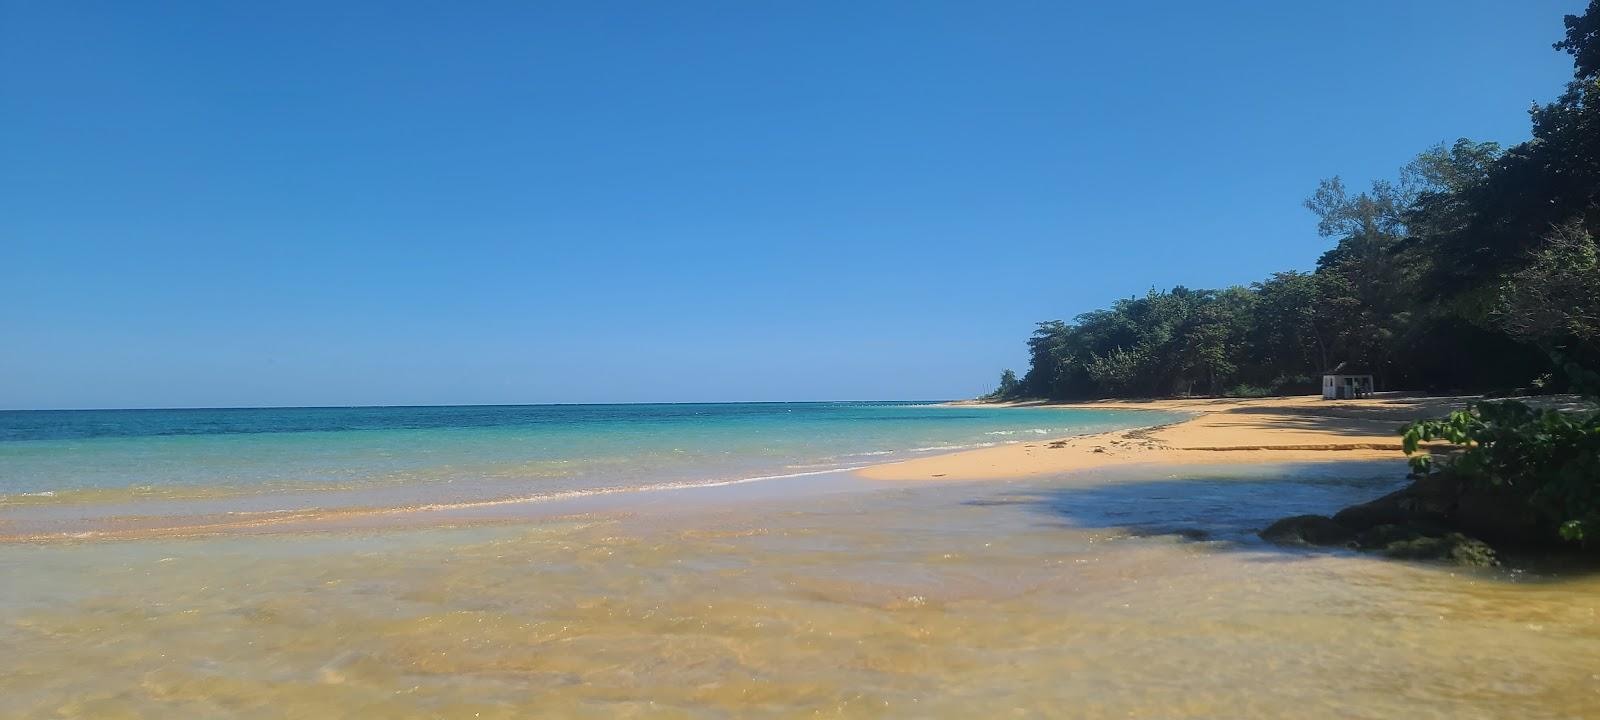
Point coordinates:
[[615, 490], [937, 448], [26, 497]]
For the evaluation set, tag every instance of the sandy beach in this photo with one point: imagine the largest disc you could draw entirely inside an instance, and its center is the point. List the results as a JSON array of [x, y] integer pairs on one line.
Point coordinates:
[[1222, 430]]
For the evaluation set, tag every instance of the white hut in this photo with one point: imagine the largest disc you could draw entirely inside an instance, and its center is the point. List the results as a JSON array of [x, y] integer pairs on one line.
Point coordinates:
[[1342, 384]]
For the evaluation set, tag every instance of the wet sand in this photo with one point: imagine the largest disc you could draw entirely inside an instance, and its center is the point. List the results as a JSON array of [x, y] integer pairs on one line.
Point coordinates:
[[1227, 430], [1137, 591]]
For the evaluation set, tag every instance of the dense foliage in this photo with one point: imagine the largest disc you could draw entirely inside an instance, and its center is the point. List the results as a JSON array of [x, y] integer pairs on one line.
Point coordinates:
[[1472, 269], [1548, 458]]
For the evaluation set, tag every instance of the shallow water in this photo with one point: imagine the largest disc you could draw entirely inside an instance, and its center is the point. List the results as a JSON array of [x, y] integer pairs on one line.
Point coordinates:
[[71, 471], [1137, 592]]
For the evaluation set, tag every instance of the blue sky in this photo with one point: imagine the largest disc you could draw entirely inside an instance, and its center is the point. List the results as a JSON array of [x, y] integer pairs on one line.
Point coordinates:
[[310, 203]]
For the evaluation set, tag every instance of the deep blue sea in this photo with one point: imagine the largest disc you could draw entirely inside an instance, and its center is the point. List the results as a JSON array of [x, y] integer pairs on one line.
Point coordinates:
[[428, 454]]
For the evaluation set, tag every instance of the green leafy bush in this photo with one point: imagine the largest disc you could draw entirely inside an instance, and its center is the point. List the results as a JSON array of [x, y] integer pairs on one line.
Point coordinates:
[[1549, 458]]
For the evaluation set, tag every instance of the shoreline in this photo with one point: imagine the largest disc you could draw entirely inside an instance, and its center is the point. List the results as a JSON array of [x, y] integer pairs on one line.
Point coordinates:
[[1290, 429], [796, 468], [1217, 432]]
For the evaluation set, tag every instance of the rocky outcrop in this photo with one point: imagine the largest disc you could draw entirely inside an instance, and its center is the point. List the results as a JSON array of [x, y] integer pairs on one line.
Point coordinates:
[[1402, 541], [1443, 501], [1426, 501], [1455, 548], [1311, 530], [1436, 517]]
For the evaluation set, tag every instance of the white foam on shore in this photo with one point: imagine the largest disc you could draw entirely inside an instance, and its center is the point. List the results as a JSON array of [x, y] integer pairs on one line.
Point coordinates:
[[939, 448], [616, 490]]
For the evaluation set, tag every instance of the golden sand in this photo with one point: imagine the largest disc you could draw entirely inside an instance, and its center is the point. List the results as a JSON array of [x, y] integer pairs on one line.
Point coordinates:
[[1226, 430]]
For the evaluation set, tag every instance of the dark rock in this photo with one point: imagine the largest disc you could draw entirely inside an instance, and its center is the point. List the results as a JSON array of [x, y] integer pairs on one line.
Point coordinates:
[[1438, 517], [1453, 548], [1195, 534], [1444, 500], [1400, 541], [1429, 501], [1381, 536], [1307, 530], [1498, 514]]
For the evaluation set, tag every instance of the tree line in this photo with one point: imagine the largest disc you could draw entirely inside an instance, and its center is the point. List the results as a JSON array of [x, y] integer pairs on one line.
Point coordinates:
[[1475, 268]]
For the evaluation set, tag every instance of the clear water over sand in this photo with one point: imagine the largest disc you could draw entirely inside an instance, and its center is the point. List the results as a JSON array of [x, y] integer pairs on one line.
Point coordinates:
[[1136, 592], [73, 472]]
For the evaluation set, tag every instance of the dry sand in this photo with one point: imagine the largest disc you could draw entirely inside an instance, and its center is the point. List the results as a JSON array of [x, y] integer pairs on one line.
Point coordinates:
[[1225, 430]]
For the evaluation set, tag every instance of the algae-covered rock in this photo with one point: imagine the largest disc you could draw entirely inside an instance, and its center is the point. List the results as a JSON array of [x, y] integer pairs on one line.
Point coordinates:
[[1381, 536], [1307, 530], [1438, 517], [1408, 544]]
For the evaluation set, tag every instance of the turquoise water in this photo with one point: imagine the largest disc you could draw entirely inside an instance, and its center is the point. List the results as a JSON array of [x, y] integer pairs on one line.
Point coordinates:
[[304, 457]]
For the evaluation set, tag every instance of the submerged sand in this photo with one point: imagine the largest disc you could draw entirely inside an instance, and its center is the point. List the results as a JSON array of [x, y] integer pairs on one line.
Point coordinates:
[[1111, 592], [1115, 593], [1222, 430]]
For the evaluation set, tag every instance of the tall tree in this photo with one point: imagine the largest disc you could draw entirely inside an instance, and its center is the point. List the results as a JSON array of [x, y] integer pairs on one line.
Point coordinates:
[[1460, 273]]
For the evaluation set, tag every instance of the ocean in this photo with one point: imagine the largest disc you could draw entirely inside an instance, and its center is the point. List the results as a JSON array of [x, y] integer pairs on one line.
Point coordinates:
[[142, 462]]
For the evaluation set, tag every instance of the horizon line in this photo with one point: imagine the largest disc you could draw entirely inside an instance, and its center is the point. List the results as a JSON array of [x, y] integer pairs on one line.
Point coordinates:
[[463, 405]]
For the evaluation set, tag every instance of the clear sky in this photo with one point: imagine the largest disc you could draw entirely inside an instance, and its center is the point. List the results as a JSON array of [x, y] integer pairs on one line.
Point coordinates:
[[313, 203]]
